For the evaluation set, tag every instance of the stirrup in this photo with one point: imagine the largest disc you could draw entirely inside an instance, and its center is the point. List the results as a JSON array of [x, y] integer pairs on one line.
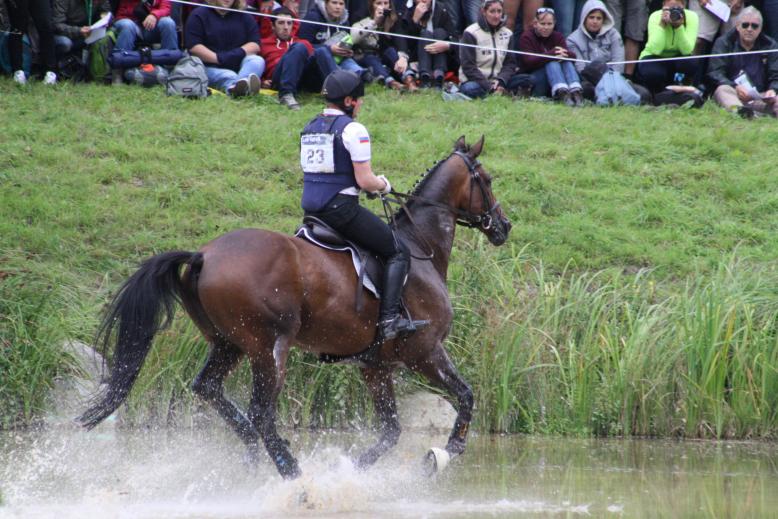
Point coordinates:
[[399, 326]]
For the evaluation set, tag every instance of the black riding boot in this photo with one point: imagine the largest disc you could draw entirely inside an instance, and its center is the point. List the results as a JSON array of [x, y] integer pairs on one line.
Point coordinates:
[[391, 322]]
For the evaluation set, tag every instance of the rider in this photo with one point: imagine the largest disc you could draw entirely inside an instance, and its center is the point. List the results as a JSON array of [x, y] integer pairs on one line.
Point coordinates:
[[335, 157]]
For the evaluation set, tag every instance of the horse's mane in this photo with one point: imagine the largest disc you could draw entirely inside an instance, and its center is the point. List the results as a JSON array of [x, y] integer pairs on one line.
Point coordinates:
[[420, 184]]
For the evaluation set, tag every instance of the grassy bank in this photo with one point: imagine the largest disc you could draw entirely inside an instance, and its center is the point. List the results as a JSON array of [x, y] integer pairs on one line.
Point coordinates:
[[637, 294]]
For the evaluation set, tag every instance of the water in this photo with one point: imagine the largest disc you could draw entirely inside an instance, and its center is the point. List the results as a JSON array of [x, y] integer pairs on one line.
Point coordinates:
[[189, 474]]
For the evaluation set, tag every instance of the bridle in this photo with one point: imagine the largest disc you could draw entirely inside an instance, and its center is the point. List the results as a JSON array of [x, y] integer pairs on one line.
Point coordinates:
[[483, 220]]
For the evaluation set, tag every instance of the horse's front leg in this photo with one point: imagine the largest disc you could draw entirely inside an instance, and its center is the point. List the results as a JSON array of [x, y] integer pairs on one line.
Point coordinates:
[[379, 382], [439, 369], [268, 373]]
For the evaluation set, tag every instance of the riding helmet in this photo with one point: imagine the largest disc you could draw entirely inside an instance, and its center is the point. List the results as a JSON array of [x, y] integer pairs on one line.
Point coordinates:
[[341, 83]]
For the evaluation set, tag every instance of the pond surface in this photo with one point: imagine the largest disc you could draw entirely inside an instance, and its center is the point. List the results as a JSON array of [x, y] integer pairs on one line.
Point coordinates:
[[189, 474]]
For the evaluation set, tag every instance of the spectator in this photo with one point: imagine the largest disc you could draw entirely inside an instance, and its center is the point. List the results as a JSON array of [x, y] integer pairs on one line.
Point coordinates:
[[482, 71], [321, 36], [672, 32], [428, 19], [630, 18], [528, 9], [770, 12], [289, 60], [761, 69], [266, 22], [560, 75], [710, 24], [568, 12], [147, 20], [71, 23], [374, 51], [228, 44], [596, 40], [19, 14]]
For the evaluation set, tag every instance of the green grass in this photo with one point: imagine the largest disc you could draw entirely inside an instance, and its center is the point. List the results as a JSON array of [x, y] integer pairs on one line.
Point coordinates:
[[637, 294]]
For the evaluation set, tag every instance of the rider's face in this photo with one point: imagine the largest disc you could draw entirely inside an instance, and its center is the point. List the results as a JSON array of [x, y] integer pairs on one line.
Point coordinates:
[[356, 104]]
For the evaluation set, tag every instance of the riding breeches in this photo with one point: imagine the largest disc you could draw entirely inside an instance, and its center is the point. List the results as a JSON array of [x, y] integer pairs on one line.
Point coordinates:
[[344, 214]]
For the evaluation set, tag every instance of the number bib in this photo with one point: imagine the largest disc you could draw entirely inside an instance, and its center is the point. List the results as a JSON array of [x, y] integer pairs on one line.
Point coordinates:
[[317, 153]]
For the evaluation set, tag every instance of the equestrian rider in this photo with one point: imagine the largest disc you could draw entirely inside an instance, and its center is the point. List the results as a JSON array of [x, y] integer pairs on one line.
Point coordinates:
[[335, 157]]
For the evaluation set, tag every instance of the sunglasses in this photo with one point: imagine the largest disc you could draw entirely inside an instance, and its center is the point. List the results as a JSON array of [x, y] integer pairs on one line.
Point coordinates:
[[752, 25], [544, 10]]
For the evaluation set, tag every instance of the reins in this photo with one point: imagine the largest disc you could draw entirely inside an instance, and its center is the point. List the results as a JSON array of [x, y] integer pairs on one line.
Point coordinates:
[[464, 218]]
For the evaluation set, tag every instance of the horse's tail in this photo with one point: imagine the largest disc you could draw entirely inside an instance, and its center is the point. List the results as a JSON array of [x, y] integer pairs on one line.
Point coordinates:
[[137, 310]]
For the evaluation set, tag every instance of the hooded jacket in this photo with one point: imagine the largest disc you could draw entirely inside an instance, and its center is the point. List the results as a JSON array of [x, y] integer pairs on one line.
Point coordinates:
[[722, 71], [606, 45], [318, 34], [272, 50], [483, 65]]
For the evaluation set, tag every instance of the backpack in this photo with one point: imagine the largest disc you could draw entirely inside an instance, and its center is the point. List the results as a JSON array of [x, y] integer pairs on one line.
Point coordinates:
[[613, 89], [99, 51], [188, 78]]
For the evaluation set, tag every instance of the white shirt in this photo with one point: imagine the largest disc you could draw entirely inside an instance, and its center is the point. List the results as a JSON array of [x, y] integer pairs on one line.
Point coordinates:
[[355, 138]]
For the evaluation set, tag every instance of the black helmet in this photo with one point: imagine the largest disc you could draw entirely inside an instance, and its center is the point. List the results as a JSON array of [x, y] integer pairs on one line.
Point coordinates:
[[341, 83]]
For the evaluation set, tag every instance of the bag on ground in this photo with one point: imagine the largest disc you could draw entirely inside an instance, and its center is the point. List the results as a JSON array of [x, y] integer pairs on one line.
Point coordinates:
[[99, 51], [146, 75], [188, 78], [613, 89]]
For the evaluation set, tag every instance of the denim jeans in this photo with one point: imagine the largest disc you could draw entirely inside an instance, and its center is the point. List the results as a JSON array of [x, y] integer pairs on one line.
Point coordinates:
[[64, 45], [223, 78], [472, 89], [296, 67], [540, 86], [568, 15], [128, 32], [562, 74], [350, 65], [431, 63], [375, 65]]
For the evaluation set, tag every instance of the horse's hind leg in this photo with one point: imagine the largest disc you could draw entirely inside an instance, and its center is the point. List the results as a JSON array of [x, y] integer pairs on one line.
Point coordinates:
[[269, 371], [209, 386], [379, 382], [439, 369]]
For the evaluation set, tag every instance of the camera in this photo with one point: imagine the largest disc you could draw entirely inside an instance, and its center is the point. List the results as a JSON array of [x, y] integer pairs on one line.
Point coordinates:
[[676, 14]]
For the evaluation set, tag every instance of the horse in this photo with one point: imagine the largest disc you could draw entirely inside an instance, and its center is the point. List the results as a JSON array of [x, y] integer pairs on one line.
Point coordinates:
[[257, 293]]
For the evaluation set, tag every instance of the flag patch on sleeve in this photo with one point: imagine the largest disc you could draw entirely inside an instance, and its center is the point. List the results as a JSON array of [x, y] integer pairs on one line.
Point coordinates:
[[364, 139]]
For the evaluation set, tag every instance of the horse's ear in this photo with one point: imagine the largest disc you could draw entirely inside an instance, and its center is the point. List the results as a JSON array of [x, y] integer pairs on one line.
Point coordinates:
[[460, 144], [476, 149]]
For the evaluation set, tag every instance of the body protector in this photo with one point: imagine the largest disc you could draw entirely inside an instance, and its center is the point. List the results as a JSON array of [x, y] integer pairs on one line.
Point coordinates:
[[326, 163]]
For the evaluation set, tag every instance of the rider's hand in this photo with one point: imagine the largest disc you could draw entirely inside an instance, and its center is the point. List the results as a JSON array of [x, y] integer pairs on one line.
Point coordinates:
[[387, 188]]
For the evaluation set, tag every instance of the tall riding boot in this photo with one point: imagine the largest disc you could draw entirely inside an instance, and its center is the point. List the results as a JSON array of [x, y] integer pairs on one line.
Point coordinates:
[[391, 322]]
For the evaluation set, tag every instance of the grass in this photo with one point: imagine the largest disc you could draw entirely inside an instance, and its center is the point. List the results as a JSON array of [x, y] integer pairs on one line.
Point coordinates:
[[637, 294]]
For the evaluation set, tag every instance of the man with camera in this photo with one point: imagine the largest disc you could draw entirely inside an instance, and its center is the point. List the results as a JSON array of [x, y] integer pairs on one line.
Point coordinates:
[[672, 32], [745, 83]]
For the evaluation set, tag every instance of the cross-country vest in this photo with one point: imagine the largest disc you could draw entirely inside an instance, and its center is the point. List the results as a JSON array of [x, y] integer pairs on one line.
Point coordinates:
[[326, 163]]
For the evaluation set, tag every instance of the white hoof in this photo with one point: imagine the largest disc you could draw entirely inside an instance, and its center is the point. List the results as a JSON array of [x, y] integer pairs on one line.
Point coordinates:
[[435, 461]]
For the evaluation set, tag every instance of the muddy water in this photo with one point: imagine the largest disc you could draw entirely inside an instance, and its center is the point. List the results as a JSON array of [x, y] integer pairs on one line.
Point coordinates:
[[200, 474]]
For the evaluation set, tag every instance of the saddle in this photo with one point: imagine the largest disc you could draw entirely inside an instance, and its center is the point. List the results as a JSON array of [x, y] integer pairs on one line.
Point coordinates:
[[368, 266]]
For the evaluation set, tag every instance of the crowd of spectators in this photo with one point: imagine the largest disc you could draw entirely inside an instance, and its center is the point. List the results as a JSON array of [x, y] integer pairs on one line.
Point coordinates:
[[564, 46]]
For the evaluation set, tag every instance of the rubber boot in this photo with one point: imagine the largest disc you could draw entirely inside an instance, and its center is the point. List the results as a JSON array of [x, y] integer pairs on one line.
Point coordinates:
[[391, 323]]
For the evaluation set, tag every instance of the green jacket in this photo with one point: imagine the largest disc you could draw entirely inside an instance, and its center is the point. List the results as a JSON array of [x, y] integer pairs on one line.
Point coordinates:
[[669, 42]]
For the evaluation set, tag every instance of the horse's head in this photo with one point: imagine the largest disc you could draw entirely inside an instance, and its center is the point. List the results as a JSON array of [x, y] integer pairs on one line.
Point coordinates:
[[476, 204]]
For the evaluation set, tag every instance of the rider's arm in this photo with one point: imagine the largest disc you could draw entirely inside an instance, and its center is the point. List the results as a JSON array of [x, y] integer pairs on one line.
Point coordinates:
[[366, 179], [357, 142]]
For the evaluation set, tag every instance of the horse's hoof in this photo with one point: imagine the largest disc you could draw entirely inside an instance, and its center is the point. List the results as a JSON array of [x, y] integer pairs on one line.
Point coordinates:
[[435, 461]]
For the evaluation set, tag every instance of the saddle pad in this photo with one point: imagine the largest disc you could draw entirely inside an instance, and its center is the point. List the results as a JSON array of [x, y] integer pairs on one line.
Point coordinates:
[[305, 233]]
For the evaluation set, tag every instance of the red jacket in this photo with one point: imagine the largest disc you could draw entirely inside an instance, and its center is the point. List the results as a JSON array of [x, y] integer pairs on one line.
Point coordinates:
[[160, 9], [531, 42], [273, 49]]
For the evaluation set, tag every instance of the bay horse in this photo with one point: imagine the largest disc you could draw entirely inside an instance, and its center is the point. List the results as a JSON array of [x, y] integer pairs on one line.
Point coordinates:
[[258, 293]]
